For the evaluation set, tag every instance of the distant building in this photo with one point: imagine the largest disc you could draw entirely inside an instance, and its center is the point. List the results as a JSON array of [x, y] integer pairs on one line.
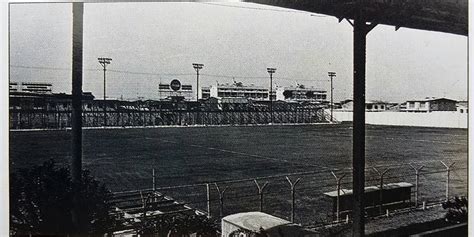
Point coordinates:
[[47, 102], [175, 90], [370, 106], [430, 104], [235, 90], [31, 87], [301, 93], [462, 107]]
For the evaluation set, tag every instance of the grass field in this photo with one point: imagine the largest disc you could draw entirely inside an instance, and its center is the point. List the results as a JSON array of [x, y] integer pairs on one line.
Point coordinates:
[[124, 158]]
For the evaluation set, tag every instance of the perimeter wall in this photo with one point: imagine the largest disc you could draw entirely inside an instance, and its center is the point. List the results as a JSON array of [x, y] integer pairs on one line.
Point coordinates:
[[442, 119]]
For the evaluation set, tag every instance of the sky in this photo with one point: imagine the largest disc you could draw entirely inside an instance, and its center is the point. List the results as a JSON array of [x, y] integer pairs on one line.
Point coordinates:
[[151, 43]]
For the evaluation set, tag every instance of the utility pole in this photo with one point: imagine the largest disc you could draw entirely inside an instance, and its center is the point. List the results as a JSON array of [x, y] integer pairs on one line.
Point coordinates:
[[271, 71], [331, 75], [104, 62], [197, 67]]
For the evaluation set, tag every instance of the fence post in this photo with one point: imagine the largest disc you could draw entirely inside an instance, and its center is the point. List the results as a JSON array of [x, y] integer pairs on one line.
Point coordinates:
[[417, 175], [338, 181], [154, 180], [208, 192], [260, 192], [221, 200], [448, 170], [293, 186], [381, 174]]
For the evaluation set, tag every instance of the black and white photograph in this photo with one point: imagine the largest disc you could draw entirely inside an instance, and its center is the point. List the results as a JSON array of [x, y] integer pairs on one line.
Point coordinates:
[[258, 118]]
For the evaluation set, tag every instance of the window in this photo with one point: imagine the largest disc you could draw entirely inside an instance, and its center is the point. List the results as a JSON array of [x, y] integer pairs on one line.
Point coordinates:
[[411, 105], [376, 107]]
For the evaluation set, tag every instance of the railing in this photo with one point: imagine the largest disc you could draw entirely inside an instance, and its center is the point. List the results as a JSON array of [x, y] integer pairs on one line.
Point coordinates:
[[41, 119], [300, 197]]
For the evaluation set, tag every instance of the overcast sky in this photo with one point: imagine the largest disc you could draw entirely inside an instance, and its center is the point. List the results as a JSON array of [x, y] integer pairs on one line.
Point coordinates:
[[153, 42]]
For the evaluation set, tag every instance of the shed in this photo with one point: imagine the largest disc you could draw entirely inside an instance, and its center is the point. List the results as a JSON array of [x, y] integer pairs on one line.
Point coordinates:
[[253, 224]]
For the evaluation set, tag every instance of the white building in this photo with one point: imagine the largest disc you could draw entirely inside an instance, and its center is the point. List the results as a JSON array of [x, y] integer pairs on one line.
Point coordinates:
[[235, 90], [430, 104], [301, 93]]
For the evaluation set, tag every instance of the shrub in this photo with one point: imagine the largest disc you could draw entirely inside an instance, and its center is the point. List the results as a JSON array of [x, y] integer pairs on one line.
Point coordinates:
[[41, 202], [457, 210]]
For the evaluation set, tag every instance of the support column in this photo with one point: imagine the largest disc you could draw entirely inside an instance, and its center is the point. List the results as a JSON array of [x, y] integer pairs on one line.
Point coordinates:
[[76, 162], [358, 133]]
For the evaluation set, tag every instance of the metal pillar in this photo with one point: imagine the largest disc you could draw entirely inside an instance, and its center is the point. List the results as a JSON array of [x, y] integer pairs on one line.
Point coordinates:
[[293, 186], [448, 170], [338, 181], [76, 163], [260, 192], [417, 178]]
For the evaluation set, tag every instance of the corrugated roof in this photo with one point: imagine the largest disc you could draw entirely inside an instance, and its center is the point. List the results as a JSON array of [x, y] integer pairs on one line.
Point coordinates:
[[255, 221]]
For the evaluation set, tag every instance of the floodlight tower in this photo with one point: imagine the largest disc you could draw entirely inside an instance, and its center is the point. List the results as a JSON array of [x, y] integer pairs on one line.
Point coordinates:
[[197, 67], [331, 75], [271, 71], [104, 62]]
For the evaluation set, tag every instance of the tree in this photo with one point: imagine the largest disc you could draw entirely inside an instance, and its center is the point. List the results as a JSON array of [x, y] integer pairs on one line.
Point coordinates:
[[41, 201], [287, 94]]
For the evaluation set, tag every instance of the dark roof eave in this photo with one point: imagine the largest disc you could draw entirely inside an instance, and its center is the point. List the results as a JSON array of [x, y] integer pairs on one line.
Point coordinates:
[[448, 16]]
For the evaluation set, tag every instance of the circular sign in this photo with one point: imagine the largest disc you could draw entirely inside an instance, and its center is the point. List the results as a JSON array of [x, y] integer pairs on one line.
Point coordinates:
[[175, 84]]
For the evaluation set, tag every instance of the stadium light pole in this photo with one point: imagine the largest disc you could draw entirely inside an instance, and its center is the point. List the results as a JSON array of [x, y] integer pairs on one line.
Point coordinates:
[[104, 62], [271, 71], [197, 67], [331, 75]]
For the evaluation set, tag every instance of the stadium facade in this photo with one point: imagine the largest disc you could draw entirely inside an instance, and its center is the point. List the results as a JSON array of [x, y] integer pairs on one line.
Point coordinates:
[[235, 90]]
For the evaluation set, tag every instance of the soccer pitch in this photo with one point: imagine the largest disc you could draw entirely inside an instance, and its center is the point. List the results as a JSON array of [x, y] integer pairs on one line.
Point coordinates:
[[190, 157]]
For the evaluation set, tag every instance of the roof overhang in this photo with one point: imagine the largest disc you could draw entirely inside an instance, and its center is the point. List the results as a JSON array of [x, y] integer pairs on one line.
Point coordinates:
[[449, 16]]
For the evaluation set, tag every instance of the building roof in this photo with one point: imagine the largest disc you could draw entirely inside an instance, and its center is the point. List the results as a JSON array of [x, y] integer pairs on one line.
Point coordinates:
[[255, 221], [302, 88], [376, 102], [367, 102], [449, 16], [430, 99], [239, 85], [24, 94]]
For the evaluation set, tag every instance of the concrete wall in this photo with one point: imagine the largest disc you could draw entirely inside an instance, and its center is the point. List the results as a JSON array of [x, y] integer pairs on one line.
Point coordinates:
[[442, 119]]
